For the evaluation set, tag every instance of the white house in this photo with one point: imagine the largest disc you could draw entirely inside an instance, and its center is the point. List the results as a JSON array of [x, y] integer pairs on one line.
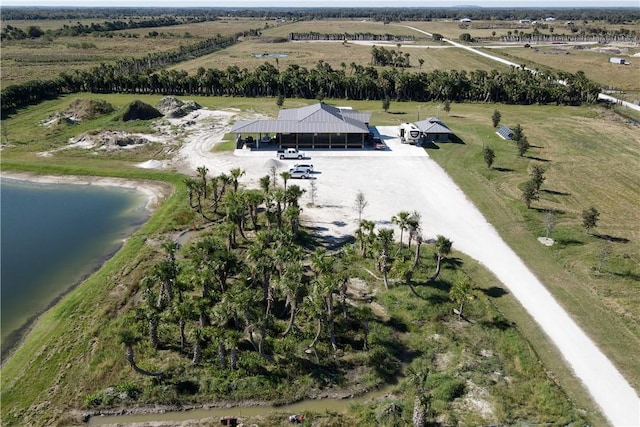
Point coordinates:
[[465, 20]]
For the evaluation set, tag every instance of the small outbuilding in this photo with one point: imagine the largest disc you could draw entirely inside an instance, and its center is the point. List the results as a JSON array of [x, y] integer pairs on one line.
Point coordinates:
[[465, 20], [433, 130], [505, 133], [619, 61]]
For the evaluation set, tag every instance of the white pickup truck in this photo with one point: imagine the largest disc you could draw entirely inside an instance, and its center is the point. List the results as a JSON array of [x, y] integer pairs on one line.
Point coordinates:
[[290, 153]]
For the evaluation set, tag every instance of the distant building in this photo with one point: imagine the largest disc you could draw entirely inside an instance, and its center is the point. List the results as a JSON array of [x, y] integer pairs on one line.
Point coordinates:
[[465, 20], [525, 21], [505, 133], [550, 19], [620, 61]]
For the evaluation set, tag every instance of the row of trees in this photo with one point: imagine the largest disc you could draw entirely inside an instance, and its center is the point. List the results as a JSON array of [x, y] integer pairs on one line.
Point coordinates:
[[10, 32], [121, 76], [355, 81]]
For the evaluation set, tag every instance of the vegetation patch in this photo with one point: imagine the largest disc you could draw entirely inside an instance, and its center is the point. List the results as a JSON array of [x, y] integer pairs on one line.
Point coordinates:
[[139, 110]]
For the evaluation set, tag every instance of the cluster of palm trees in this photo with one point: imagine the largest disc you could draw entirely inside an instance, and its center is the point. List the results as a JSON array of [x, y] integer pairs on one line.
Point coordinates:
[[247, 281]]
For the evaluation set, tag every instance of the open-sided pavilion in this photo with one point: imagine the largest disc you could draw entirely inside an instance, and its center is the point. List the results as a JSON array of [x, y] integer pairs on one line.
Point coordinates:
[[314, 126]]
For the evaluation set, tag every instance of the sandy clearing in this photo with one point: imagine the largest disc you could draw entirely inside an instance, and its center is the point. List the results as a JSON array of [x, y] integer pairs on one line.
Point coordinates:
[[405, 178]]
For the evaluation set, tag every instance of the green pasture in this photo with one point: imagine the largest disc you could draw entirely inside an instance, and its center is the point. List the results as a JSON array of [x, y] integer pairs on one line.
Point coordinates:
[[593, 61]]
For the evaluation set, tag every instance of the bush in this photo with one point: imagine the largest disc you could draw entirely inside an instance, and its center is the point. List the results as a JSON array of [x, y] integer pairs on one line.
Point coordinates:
[[445, 387]]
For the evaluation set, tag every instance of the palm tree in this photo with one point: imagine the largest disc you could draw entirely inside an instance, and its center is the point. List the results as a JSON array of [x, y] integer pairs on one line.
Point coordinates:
[[285, 177], [418, 379], [235, 174], [191, 185], [385, 237], [461, 291], [402, 221], [129, 339], [264, 184], [413, 225], [290, 283], [443, 248], [197, 338], [202, 173]]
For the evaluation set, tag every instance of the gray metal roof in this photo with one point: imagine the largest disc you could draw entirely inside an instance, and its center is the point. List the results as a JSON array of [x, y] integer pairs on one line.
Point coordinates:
[[433, 125], [317, 118]]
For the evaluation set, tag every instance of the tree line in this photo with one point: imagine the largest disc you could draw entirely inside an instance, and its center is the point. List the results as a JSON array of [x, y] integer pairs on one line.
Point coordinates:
[[358, 82], [611, 15], [10, 32], [350, 36]]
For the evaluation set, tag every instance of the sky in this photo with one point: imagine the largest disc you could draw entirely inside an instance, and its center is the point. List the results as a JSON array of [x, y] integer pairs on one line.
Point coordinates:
[[532, 4]]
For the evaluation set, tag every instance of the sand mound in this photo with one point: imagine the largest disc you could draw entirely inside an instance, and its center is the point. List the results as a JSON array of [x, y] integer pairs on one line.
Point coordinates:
[[138, 110], [87, 109], [172, 107]]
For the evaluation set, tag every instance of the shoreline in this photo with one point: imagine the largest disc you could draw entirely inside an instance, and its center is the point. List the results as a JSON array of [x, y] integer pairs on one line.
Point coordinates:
[[153, 191]]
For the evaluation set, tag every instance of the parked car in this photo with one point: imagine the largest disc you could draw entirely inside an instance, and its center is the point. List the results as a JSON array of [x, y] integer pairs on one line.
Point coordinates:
[[378, 144], [304, 166], [299, 173], [290, 153]]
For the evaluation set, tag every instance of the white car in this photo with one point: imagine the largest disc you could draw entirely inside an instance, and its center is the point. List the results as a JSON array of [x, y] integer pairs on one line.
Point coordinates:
[[299, 173], [302, 166]]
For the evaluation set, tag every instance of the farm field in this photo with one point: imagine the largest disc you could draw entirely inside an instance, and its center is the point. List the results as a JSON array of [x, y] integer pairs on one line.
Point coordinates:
[[44, 58], [253, 52]]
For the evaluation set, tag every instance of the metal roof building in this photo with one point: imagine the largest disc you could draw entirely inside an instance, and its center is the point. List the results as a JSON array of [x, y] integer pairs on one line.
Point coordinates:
[[315, 126], [433, 130]]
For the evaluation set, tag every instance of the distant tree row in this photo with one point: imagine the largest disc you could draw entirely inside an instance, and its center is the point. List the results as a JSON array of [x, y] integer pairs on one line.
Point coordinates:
[[611, 15], [106, 78], [350, 36], [10, 32]]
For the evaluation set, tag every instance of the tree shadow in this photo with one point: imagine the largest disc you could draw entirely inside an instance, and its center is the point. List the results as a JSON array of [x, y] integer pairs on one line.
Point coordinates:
[[569, 242], [499, 323], [555, 193], [455, 139], [537, 158], [555, 211], [396, 112], [627, 275], [495, 292], [429, 145], [503, 169], [611, 238]]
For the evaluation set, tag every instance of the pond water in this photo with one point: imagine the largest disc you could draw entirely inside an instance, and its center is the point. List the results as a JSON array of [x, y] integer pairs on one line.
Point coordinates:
[[271, 55], [53, 236], [312, 405]]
